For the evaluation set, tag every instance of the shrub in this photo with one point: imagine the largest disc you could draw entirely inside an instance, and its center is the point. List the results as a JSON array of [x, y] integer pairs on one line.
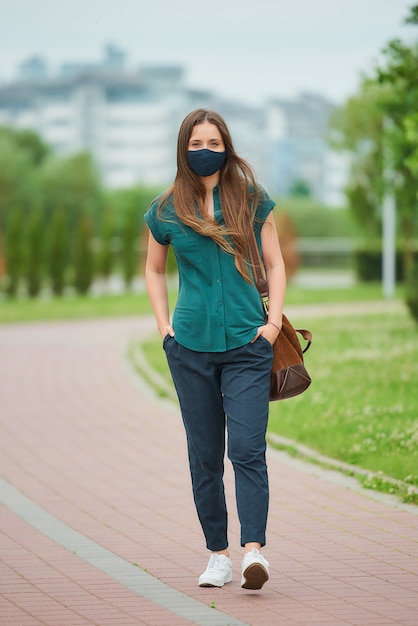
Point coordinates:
[[130, 245], [412, 290], [13, 251], [105, 257], [57, 251], [368, 263], [83, 256], [313, 219], [35, 248]]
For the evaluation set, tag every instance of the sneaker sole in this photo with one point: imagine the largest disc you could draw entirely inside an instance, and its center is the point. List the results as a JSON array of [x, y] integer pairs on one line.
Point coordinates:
[[211, 584], [254, 576]]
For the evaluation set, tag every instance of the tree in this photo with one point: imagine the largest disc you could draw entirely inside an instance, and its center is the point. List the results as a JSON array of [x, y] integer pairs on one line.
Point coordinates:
[[22, 154], [105, 256], [83, 263], [14, 251], [357, 128], [31, 143], [57, 251], [378, 127], [400, 74], [411, 130], [34, 249], [73, 184], [300, 188], [130, 250]]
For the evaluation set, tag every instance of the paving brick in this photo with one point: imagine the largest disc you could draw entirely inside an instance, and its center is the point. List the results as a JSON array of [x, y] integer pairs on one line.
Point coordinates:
[[86, 441]]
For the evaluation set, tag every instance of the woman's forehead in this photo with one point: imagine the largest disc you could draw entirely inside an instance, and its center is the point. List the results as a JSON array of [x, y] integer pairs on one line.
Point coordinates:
[[206, 129]]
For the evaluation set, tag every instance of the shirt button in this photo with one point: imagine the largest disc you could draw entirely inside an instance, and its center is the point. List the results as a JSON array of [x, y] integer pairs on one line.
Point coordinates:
[[218, 280], [219, 303]]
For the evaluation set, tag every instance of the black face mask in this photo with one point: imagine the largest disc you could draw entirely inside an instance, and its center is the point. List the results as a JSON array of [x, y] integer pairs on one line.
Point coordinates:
[[205, 162]]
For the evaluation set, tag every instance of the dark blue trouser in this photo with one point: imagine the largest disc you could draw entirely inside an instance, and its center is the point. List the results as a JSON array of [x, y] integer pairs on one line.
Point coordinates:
[[225, 388]]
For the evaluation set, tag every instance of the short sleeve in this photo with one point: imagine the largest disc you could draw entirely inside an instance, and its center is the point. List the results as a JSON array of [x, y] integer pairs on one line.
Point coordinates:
[[265, 205], [155, 224]]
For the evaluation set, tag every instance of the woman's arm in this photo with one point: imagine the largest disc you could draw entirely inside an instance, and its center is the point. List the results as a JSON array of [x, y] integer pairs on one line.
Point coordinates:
[[276, 278], [275, 269], [156, 282]]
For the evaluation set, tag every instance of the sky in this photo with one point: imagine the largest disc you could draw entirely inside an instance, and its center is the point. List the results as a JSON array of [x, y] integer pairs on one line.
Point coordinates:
[[241, 50]]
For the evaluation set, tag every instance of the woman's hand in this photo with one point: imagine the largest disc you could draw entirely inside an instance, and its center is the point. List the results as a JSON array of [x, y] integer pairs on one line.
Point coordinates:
[[166, 330], [269, 331]]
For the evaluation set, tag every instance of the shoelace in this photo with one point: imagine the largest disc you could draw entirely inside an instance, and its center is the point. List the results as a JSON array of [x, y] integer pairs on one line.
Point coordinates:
[[214, 563]]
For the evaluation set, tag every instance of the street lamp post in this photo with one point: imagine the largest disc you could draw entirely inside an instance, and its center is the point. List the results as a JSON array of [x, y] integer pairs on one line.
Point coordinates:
[[389, 244], [389, 221]]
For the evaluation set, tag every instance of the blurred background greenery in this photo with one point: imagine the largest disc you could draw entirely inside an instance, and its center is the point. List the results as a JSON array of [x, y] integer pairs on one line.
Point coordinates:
[[71, 248], [62, 233]]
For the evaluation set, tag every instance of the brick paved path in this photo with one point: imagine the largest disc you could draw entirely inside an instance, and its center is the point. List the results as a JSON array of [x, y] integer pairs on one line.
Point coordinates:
[[98, 526]]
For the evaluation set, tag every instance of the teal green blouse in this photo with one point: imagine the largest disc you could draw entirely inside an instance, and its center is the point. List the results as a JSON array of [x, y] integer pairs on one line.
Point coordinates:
[[216, 309]]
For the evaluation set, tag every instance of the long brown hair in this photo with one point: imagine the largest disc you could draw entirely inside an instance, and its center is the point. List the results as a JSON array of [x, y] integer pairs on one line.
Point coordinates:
[[237, 188]]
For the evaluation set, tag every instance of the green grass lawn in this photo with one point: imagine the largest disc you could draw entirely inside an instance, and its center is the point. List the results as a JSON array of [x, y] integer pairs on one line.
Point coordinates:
[[362, 406], [73, 307]]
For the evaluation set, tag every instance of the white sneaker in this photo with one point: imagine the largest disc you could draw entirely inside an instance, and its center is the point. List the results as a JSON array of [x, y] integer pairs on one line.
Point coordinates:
[[255, 570], [218, 571]]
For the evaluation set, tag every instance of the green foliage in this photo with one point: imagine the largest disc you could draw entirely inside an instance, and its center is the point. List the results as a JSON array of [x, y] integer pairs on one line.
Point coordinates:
[[73, 184], [38, 182], [83, 262], [29, 142], [105, 258], [379, 127], [400, 75], [412, 291], [69, 193], [18, 179], [411, 132], [14, 251], [368, 263], [130, 248], [312, 219], [34, 249], [57, 251], [26, 141], [357, 127], [126, 203], [136, 199], [171, 261], [413, 16], [300, 189]]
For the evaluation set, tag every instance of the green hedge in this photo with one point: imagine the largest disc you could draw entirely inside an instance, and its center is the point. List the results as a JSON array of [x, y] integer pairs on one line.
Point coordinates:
[[368, 264], [313, 219], [412, 291]]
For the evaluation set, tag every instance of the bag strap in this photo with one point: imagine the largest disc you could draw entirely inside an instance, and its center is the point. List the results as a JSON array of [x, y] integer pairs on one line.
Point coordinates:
[[262, 284]]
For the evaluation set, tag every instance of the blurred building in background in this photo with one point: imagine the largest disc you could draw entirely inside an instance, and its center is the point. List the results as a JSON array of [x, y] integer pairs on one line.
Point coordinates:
[[129, 121], [299, 153]]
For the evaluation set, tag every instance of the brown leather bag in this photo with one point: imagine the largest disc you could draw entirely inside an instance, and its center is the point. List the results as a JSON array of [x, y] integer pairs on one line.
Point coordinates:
[[289, 376]]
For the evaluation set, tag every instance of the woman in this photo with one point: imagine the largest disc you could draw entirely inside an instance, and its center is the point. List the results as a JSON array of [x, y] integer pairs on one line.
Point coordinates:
[[218, 346]]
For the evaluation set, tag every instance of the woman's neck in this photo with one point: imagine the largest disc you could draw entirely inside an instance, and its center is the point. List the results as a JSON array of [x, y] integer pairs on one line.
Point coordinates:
[[210, 182]]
